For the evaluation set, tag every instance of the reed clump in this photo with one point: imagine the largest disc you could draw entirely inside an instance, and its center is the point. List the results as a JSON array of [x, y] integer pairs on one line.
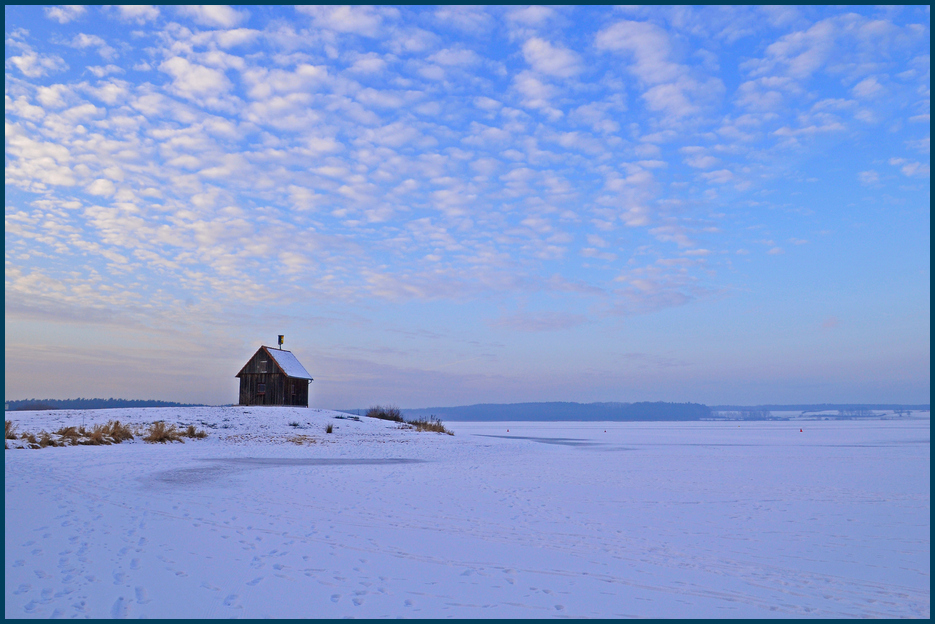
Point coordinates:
[[194, 434], [162, 433], [390, 412], [432, 424], [420, 424]]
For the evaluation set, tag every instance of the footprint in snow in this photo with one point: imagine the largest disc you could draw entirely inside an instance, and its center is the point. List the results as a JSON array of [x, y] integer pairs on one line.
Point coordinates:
[[135, 564], [119, 577], [22, 589], [230, 600], [141, 596], [335, 597], [57, 614], [255, 581], [119, 610]]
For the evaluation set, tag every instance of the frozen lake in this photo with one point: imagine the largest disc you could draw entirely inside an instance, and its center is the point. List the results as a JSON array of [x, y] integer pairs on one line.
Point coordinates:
[[697, 519]]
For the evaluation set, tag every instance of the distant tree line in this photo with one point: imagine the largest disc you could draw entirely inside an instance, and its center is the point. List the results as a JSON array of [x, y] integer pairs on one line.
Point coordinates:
[[86, 404]]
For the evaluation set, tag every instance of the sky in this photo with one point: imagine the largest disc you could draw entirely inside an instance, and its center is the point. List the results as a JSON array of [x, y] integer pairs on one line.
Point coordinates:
[[441, 206]]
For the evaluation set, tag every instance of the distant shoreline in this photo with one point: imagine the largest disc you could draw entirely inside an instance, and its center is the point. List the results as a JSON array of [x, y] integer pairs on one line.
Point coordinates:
[[650, 412]]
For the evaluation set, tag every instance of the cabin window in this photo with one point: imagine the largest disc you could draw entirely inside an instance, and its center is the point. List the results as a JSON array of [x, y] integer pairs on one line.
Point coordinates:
[[261, 388], [262, 366]]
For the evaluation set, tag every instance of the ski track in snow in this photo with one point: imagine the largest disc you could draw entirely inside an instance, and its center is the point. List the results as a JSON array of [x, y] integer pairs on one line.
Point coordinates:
[[702, 519]]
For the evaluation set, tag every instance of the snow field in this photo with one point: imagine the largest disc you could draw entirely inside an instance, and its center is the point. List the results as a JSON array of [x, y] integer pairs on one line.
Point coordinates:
[[701, 519]]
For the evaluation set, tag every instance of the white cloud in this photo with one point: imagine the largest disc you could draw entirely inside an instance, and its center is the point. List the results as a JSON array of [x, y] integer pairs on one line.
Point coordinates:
[[455, 57], [65, 13], [235, 37], [722, 176], [82, 40], [701, 161], [799, 54], [867, 88], [531, 15], [369, 63], [217, 15], [139, 13], [910, 168], [647, 44], [470, 19], [53, 96], [194, 81], [551, 60], [106, 70], [536, 94], [34, 65], [101, 187], [868, 178], [359, 20], [263, 83]]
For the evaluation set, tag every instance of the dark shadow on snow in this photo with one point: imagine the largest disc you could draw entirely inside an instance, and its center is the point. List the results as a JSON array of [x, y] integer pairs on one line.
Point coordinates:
[[231, 466]]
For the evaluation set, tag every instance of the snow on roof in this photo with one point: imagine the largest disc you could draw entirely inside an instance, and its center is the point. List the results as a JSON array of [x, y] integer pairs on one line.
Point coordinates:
[[287, 362]]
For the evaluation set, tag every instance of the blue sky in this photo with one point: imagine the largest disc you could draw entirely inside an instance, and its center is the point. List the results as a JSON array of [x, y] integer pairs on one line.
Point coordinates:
[[440, 206]]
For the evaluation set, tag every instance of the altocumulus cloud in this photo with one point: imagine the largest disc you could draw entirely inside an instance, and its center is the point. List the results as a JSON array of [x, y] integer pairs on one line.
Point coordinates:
[[169, 163]]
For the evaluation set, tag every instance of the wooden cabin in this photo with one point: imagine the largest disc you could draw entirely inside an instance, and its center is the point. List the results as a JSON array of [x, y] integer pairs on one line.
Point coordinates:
[[274, 377]]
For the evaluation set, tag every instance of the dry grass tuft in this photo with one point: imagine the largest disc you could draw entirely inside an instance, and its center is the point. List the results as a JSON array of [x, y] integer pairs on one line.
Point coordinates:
[[390, 412], [393, 413], [29, 438], [301, 439], [96, 436], [192, 433], [159, 432], [433, 424], [69, 433], [10, 430], [118, 432], [329, 428], [46, 440]]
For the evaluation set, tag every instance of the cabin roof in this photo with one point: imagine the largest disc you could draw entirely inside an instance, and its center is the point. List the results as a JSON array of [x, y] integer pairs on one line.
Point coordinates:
[[286, 361]]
